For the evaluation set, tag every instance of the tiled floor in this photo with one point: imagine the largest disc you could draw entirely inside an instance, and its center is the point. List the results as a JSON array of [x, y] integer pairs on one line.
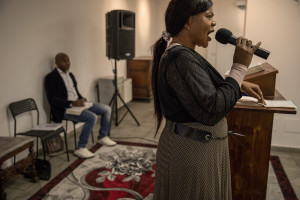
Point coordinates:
[[20, 188]]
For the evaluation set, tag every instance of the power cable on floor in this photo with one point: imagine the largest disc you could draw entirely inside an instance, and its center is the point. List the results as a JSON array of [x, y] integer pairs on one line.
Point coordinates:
[[124, 138]]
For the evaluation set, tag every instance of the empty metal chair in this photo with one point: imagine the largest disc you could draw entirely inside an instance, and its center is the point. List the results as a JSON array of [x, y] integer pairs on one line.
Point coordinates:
[[28, 105]]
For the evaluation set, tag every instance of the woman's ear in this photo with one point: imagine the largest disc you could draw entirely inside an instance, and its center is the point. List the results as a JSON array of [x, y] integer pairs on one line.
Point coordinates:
[[188, 23]]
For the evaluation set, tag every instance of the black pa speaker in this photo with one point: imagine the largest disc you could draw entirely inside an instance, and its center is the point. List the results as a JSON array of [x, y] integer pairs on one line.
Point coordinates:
[[120, 34]]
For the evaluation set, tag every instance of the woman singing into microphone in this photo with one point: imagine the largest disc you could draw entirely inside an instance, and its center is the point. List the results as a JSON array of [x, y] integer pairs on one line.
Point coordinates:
[[192, 154]]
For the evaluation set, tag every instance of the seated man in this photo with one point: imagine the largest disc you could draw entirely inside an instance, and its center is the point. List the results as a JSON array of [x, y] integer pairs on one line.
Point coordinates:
[[62, 92]]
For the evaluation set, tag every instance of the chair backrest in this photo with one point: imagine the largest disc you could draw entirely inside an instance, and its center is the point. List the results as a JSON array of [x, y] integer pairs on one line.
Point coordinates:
[[22, 106]]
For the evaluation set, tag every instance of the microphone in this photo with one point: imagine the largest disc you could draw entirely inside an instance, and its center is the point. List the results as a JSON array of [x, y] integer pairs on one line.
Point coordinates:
[[225, 36]]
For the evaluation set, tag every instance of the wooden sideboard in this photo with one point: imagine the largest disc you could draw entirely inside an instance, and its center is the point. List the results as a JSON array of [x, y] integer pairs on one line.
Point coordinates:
[[139, 69]]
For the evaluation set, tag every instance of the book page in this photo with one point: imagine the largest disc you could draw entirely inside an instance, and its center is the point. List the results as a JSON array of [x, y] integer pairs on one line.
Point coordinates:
[[47, 127], [280, 104], [88, 104], [248, 101], [75, 110]]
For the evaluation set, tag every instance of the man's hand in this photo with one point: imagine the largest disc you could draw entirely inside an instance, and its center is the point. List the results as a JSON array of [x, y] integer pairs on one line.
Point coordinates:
[[79, 102], [253, 90]]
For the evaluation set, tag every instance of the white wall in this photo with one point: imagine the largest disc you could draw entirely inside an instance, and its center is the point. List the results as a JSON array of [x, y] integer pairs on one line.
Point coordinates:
[[33, 31], [228, 16], [277, 24]]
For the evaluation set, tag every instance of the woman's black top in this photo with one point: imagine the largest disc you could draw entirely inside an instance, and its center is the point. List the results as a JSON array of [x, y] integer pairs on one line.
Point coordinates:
[[191, 90]]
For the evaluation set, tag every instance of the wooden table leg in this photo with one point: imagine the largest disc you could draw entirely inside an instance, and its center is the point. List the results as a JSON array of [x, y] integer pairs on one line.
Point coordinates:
[[2, 182], [25, 166], [31, 156]]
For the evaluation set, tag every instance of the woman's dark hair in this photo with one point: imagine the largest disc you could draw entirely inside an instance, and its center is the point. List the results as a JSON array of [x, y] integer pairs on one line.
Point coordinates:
[[177, 14]]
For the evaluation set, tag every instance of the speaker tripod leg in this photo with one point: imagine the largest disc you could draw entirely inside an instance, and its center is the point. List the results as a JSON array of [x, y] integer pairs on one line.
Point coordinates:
[[111, 116], [114, 101], [114, 108], [128, 109]]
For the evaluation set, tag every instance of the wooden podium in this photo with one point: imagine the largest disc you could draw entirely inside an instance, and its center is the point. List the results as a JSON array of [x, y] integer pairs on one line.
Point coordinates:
[[249, 156]]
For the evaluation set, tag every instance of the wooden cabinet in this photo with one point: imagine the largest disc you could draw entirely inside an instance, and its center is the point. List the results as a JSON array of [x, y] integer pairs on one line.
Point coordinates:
[[139, 70]]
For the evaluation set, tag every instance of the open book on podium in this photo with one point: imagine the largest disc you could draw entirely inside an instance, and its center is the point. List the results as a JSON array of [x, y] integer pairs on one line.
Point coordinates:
[[251, 101], [75, 110], [266, 79]]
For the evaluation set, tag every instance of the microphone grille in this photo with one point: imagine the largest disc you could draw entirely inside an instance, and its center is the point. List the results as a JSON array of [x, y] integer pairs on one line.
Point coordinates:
[[223, 35]]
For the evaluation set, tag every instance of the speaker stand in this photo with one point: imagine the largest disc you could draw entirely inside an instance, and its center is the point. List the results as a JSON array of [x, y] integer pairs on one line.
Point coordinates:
[[114, 101]]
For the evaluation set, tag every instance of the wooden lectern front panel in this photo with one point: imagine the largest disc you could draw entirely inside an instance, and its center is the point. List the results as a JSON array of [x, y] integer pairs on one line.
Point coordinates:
[[249, 156]]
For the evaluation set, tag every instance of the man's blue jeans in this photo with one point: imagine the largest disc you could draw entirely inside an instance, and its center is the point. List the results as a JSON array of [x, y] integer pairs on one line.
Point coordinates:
[[88, 117]]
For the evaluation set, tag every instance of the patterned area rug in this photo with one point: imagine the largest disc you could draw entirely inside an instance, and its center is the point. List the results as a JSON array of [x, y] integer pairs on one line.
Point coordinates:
[[125, 171], [284, 183]]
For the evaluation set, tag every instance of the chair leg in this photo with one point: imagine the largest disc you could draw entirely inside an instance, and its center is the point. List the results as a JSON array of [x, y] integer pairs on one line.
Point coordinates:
[[37, 147], [75, 140], [66, 125], [44, 150], [66, 143], [93, 137]]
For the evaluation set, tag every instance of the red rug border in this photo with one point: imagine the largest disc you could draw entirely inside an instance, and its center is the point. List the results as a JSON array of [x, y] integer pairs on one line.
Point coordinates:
[[285, 185], [52, 183]]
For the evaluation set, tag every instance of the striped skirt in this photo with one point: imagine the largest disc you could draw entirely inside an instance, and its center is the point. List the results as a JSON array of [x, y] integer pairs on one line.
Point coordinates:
[[188, 169]]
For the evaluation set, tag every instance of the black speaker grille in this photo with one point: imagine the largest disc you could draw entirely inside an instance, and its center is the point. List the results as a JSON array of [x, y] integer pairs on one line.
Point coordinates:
[[120, 34], [126, 44]]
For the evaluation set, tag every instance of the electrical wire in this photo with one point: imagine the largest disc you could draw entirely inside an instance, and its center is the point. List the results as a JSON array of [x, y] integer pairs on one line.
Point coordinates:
[[124, 138]]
